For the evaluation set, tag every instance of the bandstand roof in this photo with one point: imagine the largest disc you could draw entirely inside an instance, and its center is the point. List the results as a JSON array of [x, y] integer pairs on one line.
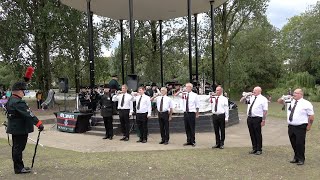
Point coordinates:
[[143, 9]]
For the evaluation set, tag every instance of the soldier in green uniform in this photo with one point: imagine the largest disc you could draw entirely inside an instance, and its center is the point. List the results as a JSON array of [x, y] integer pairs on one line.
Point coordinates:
[[114, 85], [20, 123]]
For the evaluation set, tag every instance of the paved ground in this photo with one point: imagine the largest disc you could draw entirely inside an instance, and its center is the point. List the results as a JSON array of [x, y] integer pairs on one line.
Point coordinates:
[[274, 134]]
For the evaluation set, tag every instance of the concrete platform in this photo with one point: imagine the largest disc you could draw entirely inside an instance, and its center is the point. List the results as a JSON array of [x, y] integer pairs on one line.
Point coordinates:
[[274, 134]]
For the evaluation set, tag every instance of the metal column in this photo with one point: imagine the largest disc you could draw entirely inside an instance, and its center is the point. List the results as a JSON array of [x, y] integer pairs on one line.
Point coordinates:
[[131, 35], [190, 40], [90, 40], [122, 51], [161, 53], [212, 42], [196, 44]]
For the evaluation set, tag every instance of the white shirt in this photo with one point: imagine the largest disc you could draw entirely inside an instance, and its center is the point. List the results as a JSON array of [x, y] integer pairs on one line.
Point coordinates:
[[127, 101], [167, 103], [260, 105], [301, 114], [193, 101], [145, 104], [222, 106]]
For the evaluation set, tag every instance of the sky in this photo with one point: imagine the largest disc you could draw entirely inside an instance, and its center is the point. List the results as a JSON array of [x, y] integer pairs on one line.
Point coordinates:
[[278, 13]]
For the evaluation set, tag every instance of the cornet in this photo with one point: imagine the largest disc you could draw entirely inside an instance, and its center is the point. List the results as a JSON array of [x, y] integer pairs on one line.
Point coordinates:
[[247, 94], [286, 98], [158, 93]]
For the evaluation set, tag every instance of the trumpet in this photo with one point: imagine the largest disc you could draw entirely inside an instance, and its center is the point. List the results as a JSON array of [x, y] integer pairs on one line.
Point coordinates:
[[158, 93], [247, 94], [213, 94], [286, 98]]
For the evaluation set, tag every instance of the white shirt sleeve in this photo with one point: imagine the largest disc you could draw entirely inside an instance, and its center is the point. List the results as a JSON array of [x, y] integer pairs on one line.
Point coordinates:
[[196, 101], [226, 109], [309, 109], [115, 98], [149, 106]]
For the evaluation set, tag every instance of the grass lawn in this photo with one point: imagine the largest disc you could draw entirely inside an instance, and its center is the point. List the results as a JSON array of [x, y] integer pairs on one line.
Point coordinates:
[[230, 163]]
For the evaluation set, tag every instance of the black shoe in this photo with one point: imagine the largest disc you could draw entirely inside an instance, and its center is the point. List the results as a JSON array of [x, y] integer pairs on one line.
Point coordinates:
[[221, 147], [122, 139], [252, 152], [193, 144], [144, 141], [258, 153], [299, 163], [216, 146], [110, 138], [294, 161], [166, 143], [187, 144], [161, 142], [106, 137], [126, 139], [140, 140], [23, 171], [27, 168]]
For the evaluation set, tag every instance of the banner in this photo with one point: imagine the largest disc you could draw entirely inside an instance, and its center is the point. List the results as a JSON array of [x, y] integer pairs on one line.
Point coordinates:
[[66, 121], [204, 103]]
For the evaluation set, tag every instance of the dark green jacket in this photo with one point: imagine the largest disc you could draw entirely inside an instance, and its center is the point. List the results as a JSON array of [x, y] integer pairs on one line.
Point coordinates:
[[20, 118]]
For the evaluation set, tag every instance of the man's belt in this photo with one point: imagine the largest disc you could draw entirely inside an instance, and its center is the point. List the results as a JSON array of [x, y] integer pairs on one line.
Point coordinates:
[[218, 114], [164, 112]]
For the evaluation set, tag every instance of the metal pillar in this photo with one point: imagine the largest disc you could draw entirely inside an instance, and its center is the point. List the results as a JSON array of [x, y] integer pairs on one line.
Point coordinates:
[[131, 35], [161, 53], [190, 40], [196, 44], [212, 41], [122, 51], [90, 40]]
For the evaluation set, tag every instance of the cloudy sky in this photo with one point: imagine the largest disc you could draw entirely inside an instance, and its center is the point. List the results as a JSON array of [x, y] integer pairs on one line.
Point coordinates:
[[279, 11]]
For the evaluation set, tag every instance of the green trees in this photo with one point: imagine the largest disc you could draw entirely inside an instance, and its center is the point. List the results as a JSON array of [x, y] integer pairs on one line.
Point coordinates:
[[249, 50]]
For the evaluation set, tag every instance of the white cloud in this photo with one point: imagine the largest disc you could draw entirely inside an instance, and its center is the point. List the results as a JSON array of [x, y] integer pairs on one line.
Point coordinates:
[[279, 11]]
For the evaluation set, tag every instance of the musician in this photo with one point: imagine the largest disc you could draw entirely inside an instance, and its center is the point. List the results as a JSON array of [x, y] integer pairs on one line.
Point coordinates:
[[165, 109], [191, 112], [125, 107], [257, 114], [114, 85], [220, 115], [107, 111], [177, 88], [169, 86], [300, 116], [143, 110]]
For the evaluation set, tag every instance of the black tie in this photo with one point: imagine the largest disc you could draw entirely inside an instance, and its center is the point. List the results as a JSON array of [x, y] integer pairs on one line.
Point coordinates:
[[216, 105], [138, 107], [292, 111], [122, 100], [250, 109], [161, 104], [187, 103]]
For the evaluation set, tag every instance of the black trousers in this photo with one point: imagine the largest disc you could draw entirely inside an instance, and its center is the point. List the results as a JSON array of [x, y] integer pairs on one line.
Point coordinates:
[[254, 126], [39, 102], [219, 125], [164, 125], [108, 124], [18, 145], [297, 136], [190, 126], [142, 122], [124, 121]]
